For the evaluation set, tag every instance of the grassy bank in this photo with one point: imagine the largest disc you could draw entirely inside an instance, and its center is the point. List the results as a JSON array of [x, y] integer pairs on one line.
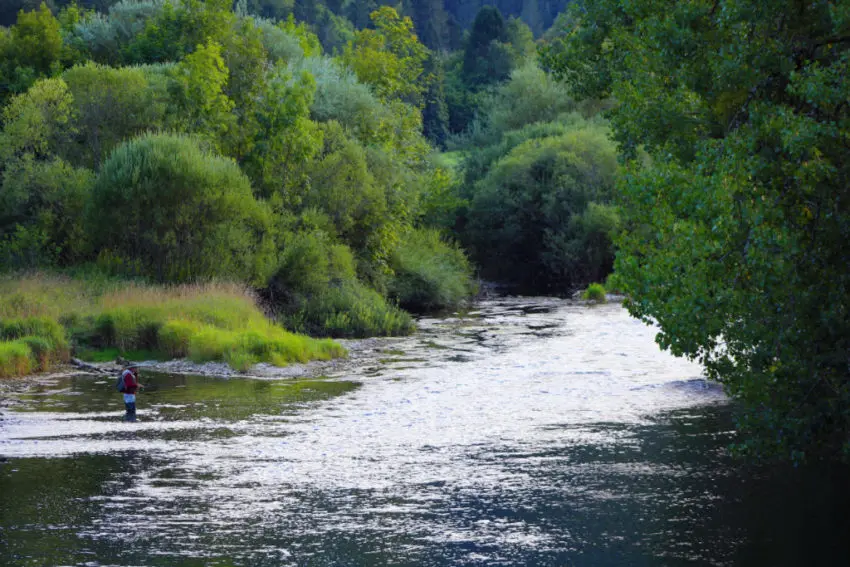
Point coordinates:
[[44, 318]]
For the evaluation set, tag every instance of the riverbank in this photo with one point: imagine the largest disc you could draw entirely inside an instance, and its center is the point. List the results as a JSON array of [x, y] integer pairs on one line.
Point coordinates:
[[356, 350], [46, 319]]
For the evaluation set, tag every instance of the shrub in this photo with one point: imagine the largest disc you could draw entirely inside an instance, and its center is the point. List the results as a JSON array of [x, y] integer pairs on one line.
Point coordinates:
[[429, 272], [349, 310], [309, 263], [166, 209], [594, 292]]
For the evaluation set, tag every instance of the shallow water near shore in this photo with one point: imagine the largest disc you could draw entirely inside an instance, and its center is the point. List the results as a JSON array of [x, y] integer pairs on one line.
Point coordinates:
[[525, 432]]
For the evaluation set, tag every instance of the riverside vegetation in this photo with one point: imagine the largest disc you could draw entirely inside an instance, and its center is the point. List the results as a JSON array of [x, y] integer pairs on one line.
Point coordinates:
[[171, 143], [43, 315], [347, 162]]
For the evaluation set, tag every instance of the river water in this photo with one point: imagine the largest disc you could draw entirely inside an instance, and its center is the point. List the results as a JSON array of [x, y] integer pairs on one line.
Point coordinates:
[[526, 432]]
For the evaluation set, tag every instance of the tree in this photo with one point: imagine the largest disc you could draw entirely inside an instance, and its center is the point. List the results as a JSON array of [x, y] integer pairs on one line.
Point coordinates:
[[36, 40], [521, 39], [166, 209], [203, 78], [41, 197], [106, 37], [737, 228], [389, 57], [35, 122], [531, 95], [435, 112], [32, 48], [178, 28], [286, 141], [41, 224], [486, 58], [528, 215], [344, 189], [431, 22], [246, 63], [359, 13], [111, 105]]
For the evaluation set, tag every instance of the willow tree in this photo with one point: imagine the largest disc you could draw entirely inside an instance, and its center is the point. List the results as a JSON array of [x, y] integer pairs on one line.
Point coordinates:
[[164, 208]]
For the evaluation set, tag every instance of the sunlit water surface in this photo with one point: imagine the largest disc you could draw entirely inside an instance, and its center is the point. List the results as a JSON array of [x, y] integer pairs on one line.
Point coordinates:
[[527, 432]]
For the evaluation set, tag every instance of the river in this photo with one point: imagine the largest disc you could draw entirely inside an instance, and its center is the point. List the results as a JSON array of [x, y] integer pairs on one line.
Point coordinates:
[[526, 432]]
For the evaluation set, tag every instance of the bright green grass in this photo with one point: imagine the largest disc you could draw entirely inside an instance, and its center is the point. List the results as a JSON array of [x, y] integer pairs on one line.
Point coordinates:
[[30, 344], [594, 292], [107, 319], [111, 354], [15, 359]]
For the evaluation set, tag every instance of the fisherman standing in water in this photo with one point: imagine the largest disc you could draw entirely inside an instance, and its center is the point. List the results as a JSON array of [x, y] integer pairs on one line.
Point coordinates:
[[130, 377]]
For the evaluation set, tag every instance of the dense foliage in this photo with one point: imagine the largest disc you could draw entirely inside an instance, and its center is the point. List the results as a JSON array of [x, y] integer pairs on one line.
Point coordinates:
[[164, 208], [184, 141], [737, 228], [535, 200]]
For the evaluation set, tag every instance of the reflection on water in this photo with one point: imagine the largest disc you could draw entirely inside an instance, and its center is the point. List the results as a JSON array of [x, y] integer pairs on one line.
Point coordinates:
[[529, 432]]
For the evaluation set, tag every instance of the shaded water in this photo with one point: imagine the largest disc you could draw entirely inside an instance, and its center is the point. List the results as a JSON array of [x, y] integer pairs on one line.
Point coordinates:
[[529, 432]]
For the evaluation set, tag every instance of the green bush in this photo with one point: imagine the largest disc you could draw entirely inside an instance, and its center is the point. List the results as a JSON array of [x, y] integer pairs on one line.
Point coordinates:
[[166, 209], [430, 273], [594, 292], [310, 262], [349, 310], [33, 326]]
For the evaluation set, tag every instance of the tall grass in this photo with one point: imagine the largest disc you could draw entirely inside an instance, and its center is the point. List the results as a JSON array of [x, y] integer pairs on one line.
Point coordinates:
[[43, 316], [15, 358]]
